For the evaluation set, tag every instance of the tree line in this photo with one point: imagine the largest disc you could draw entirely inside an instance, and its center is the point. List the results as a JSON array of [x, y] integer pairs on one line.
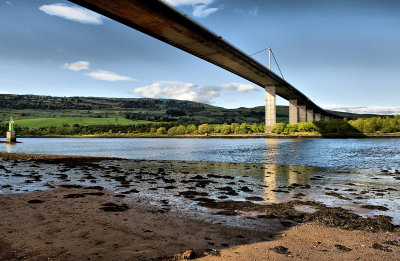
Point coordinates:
[[374, 125]]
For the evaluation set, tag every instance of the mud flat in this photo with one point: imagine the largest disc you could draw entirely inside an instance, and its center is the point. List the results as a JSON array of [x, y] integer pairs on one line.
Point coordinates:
[[78, 208]]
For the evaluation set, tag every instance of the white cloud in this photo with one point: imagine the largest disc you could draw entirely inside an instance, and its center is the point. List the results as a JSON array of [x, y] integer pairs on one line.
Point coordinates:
[[240, 87], [77, 66], [9, 3], [189, 2], [203, 11], [382, 110], [73, 13], [108, 76], [188, 91], [200, 7]]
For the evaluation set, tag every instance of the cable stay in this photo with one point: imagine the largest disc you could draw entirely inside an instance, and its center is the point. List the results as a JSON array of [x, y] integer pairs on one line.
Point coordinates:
[[273, 56]]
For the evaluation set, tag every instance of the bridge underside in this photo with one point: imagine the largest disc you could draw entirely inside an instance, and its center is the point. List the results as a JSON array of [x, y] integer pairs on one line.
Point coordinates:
[[165, 23]]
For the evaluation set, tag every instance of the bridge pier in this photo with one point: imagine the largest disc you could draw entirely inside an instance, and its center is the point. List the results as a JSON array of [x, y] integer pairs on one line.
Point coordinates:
[[293, 111], [302, 113], [270, 108], [318, 117], [310, 115], [327, 118]]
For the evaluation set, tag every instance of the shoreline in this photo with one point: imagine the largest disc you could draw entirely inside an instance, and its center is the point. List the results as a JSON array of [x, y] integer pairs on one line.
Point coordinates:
[[229, 136]]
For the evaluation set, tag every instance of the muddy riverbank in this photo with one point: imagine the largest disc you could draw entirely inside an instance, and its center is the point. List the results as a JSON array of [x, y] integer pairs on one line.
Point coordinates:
[[74, 208]]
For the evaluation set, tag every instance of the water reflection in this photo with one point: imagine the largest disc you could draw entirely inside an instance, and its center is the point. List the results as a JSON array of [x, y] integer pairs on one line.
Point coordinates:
[[280, 181], [10, 147]]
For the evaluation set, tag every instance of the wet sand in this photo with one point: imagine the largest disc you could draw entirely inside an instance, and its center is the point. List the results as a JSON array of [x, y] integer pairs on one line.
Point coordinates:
[[92, 222]]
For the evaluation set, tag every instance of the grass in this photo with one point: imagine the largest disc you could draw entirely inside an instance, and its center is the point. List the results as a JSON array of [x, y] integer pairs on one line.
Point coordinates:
[[46, 122]]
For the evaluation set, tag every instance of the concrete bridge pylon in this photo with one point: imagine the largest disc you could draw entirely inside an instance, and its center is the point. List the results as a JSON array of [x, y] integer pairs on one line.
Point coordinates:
[[293, 111], [310, 115], [270, 108]]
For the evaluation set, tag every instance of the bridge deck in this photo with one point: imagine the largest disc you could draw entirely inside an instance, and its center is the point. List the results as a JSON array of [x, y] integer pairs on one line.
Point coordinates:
[[165, 23]]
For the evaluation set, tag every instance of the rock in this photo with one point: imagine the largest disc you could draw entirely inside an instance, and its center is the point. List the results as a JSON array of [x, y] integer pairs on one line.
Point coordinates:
[[374, 207], [281, 250], [380, 247], [35, 201], [342, 247], [112, 207]]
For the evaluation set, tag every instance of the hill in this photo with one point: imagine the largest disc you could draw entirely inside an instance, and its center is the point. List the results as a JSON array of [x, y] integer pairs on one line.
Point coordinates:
[[95, 110]]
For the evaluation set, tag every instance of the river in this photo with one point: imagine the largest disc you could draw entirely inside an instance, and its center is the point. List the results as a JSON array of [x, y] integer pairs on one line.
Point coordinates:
[[341, 153]]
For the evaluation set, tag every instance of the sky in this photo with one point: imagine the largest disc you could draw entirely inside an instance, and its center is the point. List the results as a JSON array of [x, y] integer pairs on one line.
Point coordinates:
[[342, 54]]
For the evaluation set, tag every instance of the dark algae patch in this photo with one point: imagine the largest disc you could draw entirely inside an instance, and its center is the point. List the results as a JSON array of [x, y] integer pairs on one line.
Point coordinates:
[[329, 216], [342, 247], [393, 243], [380, 247], [281, 250], [74, 196], [35, 201], [112, 207], [382, 208]]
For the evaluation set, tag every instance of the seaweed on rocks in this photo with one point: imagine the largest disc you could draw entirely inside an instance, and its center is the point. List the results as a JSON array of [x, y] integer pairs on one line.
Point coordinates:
[[281, 250], [382, 208], [74, 196], [112, 207], [35, 201], [329, 216], [380, 247], [70, 186], [342, 247]]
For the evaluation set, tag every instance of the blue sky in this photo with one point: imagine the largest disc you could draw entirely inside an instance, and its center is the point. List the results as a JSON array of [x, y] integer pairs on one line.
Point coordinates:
[[342, 54]]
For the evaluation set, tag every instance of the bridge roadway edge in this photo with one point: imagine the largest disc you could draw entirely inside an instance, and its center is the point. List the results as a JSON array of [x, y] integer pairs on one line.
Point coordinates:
[[183, 24]]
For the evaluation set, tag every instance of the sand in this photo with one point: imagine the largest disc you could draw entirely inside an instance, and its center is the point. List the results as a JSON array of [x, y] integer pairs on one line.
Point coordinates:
[[93, 223], [76, 228]]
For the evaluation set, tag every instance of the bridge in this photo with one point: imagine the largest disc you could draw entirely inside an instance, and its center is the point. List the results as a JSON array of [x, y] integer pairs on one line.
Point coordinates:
[[165, 23]]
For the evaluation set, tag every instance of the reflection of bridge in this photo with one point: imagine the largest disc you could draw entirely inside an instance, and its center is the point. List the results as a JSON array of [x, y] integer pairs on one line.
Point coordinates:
[[160, 21]]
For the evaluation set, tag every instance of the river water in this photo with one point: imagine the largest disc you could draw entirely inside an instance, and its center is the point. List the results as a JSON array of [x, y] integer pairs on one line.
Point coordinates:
[[337, 172], [341, 153]]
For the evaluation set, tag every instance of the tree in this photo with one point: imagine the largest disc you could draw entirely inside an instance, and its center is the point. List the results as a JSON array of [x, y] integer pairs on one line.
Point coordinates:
[[278, 128], [204, 128], [192, 129], [161, 131], [172, 131], [181, 130]]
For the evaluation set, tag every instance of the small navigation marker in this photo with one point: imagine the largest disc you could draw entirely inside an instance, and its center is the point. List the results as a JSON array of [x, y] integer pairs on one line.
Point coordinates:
[[11, 133]]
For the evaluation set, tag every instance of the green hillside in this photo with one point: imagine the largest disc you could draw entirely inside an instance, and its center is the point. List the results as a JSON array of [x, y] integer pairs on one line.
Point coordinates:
[[83, 121], [54, 111]]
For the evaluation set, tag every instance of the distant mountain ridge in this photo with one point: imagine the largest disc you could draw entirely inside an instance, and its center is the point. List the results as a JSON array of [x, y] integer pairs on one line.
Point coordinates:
[[185, 112]]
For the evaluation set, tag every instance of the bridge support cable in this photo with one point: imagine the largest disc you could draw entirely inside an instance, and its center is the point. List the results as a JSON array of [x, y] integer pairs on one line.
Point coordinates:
[[270, 55], [277, 65]]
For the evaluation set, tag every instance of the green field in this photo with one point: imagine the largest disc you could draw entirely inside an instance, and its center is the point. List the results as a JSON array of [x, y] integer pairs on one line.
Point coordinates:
[[46, 122]]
